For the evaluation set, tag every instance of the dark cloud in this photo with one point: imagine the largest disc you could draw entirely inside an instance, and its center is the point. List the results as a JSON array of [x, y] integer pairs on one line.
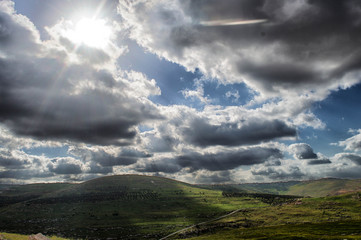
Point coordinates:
[[212, 162], [303, 45], [350, 156], [65, 168], [229, 9], [46, 98], [25, 174], [164, 166], [32, 105], [293, 173], [124, 158], [9, 161], [160, 139], [204, 177], [349, 172], [18, 37], [228, 160], [129, 152], [97, 168], [109, 161], [303, 151], [273, 75], [252, 131], [319, 161]]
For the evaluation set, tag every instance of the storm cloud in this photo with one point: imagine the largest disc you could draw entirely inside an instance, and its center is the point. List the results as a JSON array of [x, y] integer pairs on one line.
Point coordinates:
[[164, 165], [252, 131], [65, 168], [228, 160], [43, 98], [102, 159], [228, 90]]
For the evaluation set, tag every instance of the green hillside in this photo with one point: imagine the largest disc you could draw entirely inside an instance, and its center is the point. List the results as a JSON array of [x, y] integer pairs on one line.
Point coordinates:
[[10, 194], [325, 187], [145, 207], [122, 207], [337, 217], [313, 188], [271, 188]]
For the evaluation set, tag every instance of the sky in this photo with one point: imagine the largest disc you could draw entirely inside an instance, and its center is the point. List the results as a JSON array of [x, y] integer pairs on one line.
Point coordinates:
[[202, 91]]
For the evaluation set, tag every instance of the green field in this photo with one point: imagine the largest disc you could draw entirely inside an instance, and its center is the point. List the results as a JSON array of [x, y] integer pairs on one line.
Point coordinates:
[[337, 217], [144, 207], [130, 206], [14, 236]]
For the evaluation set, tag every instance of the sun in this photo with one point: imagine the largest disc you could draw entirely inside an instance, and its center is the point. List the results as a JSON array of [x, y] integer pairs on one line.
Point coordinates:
[[91, 32]]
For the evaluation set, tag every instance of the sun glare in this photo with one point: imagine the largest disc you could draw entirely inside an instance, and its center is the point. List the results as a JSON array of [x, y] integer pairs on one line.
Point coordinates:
[[91, 32]]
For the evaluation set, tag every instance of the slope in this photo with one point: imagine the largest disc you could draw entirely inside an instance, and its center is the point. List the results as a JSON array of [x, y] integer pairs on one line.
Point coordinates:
[[312, 188], [336, 217], [122, 207], [325, 187]]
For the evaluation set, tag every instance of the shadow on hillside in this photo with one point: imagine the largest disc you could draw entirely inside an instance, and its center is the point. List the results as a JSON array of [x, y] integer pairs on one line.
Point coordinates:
[[118, 212]]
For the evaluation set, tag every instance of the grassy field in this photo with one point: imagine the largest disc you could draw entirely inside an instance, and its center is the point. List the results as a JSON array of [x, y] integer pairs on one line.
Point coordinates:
[[143, 207], [306, 231], [324, 187], [14, 236], [130, 206], [337, 217]]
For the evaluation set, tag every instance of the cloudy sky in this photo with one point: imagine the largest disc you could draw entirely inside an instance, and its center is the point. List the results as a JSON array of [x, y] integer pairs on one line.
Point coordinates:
[[203, 91]]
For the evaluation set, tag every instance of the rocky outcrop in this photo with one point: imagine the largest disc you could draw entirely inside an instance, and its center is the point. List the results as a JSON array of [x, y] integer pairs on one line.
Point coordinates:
[[38, 236]]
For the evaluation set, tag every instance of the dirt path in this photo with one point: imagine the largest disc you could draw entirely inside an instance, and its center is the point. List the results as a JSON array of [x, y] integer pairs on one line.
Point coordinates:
[[202, 223]]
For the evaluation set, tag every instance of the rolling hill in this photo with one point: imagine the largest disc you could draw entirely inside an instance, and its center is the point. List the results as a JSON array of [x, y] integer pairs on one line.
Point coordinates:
[[130, 206], [145, 207], [313, 188], [336, 217]]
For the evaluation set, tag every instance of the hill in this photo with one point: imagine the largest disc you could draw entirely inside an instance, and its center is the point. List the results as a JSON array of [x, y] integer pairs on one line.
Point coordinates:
[[325, 187], [122, 207], [313, 188], [146, 207], [337, 217]]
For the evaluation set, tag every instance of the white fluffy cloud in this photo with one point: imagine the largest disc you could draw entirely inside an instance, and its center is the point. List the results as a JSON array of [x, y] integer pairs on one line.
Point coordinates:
[[353, 143], [289, 69], [63, 92], [272, 57]]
